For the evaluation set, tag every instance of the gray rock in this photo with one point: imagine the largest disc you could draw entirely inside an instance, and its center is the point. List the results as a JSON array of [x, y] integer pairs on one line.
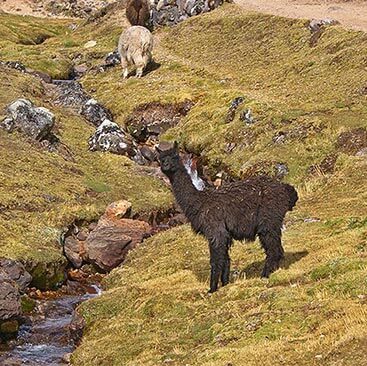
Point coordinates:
[[281, 170], [110, 137], [10, 307], [14, 271], [247, 117], [73, 251], [112, 58], [14, 65], [316, 24], [70, 94], [23, 116], [236, 102], [148, 153], [94, 112]]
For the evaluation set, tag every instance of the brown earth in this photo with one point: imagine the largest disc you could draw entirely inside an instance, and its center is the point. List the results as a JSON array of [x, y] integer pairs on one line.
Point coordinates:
[[351, 14]]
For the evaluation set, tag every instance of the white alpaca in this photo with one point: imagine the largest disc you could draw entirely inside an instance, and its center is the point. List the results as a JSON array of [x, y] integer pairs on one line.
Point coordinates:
[[135, 48]]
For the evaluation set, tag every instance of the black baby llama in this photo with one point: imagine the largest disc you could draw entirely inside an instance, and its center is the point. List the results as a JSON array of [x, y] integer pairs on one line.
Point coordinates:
[[240, 210]]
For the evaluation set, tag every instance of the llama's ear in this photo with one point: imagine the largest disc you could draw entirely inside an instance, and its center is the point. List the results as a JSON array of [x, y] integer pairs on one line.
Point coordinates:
[[175, 145]]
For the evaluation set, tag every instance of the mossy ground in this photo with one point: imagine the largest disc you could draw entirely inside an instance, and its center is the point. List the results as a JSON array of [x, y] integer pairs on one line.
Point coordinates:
[[313, 311]]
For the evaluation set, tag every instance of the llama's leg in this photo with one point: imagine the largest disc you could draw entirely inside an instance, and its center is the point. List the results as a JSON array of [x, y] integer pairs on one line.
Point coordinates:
[[226, 270], [271, 242], [140, 65], [125, 68], [219, 264]]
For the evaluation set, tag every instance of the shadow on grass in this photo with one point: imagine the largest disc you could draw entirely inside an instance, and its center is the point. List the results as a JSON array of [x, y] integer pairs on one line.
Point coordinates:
[[254, 269], [152, 66]]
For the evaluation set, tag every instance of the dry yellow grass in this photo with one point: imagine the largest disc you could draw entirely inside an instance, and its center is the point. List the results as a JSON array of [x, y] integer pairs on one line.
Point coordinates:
[[155, 310]]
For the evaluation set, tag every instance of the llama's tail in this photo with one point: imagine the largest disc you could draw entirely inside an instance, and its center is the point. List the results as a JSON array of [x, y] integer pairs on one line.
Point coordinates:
[[293, 196]]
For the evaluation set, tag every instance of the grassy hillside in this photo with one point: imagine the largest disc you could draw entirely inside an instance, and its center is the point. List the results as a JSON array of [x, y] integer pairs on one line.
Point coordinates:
[[155, 310], [313, 311], [42, 192]]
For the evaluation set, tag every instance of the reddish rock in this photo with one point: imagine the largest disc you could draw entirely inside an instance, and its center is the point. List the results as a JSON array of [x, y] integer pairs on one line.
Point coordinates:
[[108, 244], [14, 271], [117, 210], [74, 251]]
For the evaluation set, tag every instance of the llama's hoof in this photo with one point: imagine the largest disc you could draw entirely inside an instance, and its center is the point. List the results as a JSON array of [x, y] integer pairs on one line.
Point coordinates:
[[265, 273]]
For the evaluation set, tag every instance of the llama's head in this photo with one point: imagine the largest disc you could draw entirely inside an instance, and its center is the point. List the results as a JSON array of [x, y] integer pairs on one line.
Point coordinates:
[[169, 158]]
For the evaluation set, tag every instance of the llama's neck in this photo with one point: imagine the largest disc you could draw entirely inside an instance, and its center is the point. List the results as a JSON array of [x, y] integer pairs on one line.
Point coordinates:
[[186, 194]]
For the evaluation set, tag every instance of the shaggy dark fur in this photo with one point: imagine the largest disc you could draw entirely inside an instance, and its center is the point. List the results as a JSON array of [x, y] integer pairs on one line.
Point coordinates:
[[240, 210], [138, 12]]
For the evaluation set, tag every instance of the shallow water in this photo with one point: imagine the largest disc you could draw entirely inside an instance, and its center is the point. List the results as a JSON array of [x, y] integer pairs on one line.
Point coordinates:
[[45, 338]]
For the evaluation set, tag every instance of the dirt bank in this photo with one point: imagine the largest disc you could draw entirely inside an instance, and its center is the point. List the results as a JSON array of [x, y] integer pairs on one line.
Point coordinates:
[[351, 14]]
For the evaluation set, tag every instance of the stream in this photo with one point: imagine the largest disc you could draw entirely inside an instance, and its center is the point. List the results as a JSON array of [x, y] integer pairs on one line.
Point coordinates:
[[45, 339]]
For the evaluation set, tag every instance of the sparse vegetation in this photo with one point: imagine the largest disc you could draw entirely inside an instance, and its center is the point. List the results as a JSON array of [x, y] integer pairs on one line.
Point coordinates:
[[155, 309]]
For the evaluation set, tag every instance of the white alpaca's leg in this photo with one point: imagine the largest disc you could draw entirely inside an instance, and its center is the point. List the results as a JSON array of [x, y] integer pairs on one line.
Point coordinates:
[[140, 65], [125, 68]]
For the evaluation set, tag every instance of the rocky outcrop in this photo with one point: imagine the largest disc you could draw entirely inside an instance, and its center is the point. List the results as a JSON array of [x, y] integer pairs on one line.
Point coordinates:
[[23, 116], [171, 12], [108, 242], [110, 137]]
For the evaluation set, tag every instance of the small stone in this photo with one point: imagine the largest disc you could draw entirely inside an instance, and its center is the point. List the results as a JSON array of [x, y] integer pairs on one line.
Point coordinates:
[[247, 117], [82, 235], [148, 153], [92, 226], [118, 209], [74, 251], [81, 69], [90, 44], [112, 58]]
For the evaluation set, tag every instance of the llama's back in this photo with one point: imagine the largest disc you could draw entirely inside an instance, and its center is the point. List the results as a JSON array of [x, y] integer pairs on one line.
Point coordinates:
[[246, 205], [136, 40]]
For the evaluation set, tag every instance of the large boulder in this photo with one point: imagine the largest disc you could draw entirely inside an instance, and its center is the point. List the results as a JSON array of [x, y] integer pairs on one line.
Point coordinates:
[[110, 137], [14, 271], [107, 245], [23, 116]]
